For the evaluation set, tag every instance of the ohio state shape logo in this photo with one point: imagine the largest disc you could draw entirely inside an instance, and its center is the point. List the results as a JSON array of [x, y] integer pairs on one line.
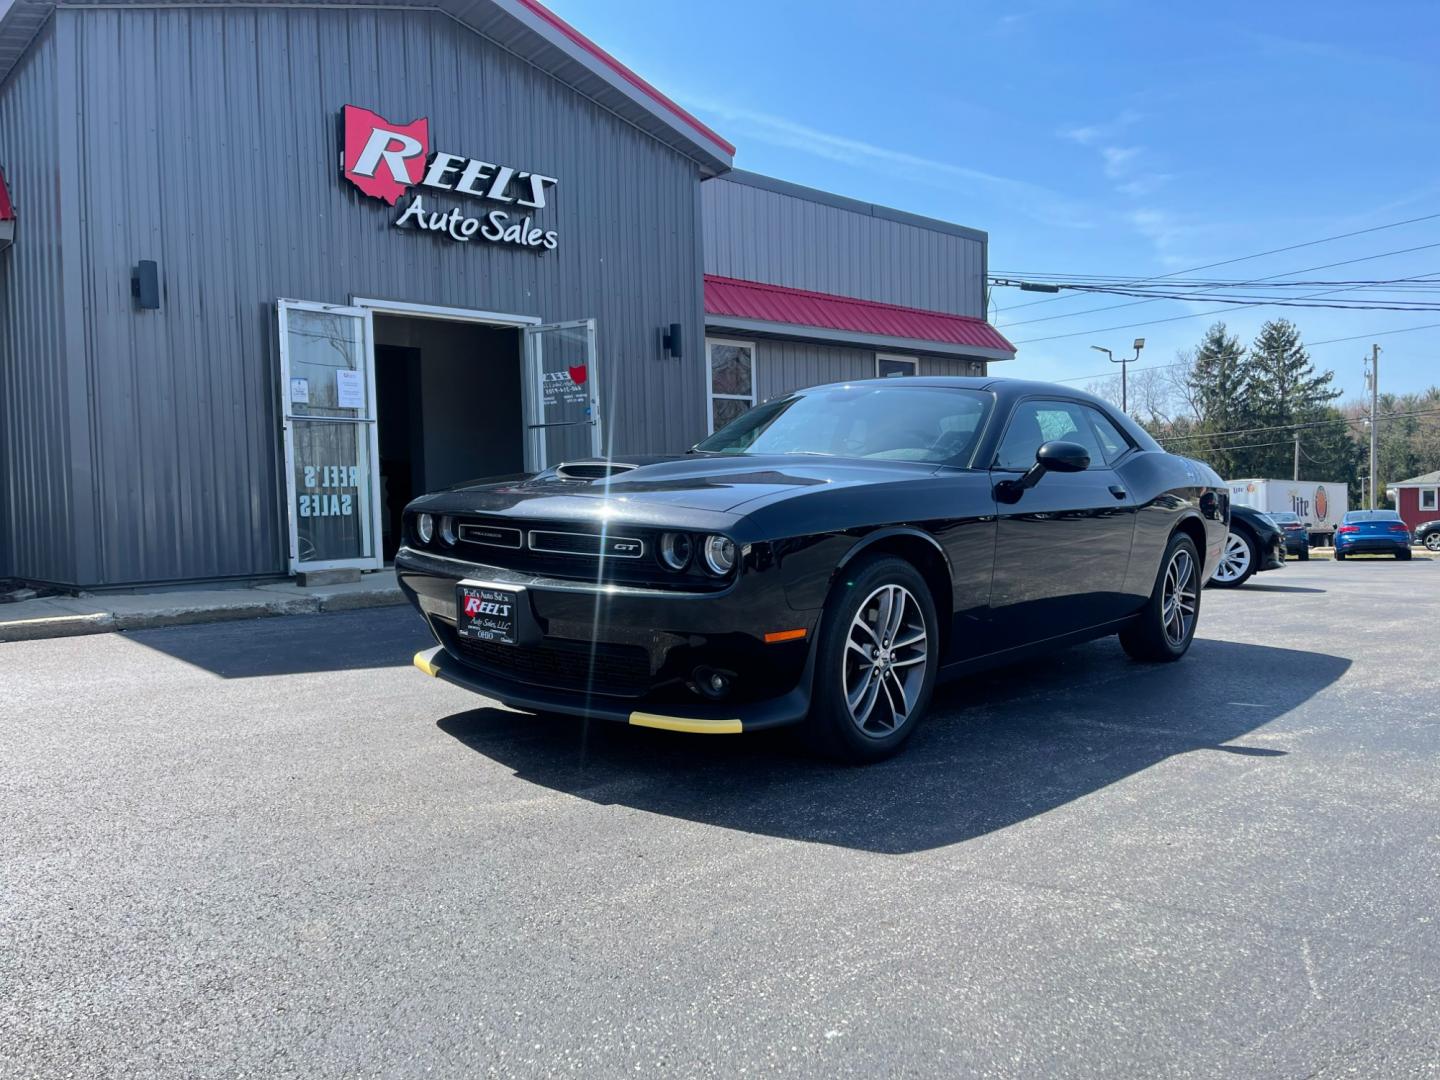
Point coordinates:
[[383, 159]]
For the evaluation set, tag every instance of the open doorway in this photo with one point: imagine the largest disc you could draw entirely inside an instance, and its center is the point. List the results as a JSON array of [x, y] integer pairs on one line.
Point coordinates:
[[449, 408]]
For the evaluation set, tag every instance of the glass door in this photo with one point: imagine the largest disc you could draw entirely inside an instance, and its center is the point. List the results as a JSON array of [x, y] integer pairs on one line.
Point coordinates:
[[562, 399], [332, 482]]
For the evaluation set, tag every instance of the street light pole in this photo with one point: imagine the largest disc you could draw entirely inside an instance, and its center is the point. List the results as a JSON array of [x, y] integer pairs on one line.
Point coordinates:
[[1124, 363], [1374, 378]]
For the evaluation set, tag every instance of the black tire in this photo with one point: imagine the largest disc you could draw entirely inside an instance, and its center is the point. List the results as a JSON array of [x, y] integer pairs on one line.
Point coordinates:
[[832, 728], [1403, 556], [1305, 554], [1153, 637], [1432, 541], [1339, 555], [1253, 560]]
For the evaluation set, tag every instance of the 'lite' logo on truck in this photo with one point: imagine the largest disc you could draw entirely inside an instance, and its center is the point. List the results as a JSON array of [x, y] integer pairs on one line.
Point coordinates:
[[382, 159]]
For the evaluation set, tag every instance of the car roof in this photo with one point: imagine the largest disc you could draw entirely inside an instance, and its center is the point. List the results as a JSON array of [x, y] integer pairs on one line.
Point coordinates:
[[1010, 387]]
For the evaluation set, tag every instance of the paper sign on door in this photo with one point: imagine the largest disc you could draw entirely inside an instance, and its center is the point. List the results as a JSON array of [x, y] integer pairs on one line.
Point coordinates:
[[349, 389]]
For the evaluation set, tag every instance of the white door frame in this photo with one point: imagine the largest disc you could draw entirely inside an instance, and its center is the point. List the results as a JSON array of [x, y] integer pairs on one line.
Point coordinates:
[[536, 457], [283, 306]]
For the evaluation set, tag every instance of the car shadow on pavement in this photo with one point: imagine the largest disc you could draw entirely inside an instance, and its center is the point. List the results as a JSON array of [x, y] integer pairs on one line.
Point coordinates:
[[1252, 587], [998, 749]]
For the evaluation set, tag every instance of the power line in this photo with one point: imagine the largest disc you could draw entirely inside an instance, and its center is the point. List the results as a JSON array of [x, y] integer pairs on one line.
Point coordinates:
[[1210, 291], [1178, 318], [1296, 427], [1249, 446], [1377, 333], [1308, 345], [1247, 258]]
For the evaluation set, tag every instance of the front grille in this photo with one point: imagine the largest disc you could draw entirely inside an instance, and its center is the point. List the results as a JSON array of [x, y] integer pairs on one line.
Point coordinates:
[[585, 552], [616, 670]]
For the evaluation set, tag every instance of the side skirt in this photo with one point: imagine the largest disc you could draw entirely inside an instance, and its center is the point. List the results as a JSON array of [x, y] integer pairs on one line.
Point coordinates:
[[1037, 648]]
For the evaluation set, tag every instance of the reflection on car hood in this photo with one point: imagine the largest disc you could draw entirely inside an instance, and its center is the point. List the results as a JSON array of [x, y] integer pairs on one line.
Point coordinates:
[[691, 481]]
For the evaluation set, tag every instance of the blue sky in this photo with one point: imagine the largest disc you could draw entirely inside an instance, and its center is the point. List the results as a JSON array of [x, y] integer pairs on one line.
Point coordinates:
[[1105, 138]]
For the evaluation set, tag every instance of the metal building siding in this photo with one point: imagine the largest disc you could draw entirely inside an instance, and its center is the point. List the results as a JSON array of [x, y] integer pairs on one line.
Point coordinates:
[[36, 524], [783, 365], [210, 145], [760, 235]]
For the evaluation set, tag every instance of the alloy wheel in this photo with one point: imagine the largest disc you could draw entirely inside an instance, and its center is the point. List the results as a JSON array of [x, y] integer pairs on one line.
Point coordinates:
[[886, 652], [1178, 598], [1235, 560], [1432, 541]]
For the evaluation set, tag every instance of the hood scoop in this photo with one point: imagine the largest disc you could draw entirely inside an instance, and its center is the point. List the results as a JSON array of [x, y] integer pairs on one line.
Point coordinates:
[[591, 470]]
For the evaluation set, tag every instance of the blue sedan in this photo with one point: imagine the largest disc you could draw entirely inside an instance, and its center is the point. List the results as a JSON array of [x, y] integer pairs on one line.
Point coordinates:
[[1372, 532]]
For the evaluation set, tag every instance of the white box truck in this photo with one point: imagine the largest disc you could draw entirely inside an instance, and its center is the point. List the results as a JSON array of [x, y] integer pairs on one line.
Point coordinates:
[[1320, 505]]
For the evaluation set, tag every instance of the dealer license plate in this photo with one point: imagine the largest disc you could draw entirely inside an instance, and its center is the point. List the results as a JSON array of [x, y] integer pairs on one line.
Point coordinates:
[[485, 613]]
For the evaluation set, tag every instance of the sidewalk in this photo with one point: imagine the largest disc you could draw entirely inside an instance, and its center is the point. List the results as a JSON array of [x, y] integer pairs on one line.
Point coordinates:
[[70, 616]]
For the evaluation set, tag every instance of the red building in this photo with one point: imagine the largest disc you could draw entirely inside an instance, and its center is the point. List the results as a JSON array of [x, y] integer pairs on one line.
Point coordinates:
[[1417, 499]]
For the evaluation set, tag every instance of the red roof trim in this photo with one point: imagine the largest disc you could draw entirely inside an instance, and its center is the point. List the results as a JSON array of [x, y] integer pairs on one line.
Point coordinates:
[[7, 209], [625, 73], [764, 302]]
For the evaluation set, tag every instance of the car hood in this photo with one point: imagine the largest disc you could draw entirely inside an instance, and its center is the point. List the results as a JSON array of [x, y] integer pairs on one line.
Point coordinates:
[[694, 482]]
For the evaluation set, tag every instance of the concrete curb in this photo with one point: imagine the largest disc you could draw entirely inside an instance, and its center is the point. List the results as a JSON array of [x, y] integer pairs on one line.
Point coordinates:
[[57, 626], [176, 612]]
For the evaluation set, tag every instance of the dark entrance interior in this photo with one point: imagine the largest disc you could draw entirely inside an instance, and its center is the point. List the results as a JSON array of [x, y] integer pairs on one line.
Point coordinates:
[[448, 408]]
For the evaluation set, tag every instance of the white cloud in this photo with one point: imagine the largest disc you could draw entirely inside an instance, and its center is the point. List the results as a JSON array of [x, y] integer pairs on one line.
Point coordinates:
[[1033, 200], [1118, 159]]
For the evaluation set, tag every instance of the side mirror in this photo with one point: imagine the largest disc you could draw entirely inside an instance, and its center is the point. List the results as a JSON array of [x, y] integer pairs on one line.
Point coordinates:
[[1062, 457], [1054, 456]]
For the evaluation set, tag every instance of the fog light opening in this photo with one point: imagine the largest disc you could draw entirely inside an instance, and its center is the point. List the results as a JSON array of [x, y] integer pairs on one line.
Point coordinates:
[[712, 683]]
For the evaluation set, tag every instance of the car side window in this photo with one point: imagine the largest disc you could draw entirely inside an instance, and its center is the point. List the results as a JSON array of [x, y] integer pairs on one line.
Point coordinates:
[[1112, 441], [1036, 422]]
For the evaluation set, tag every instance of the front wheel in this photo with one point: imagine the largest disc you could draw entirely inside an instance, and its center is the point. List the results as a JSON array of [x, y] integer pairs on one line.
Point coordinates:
[[1237, 561], [1166, 624], [1432, 541], [879, 650]]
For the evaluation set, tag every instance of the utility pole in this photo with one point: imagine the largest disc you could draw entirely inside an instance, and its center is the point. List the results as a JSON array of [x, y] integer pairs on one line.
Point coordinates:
[[1297, 455], [1374, 378]]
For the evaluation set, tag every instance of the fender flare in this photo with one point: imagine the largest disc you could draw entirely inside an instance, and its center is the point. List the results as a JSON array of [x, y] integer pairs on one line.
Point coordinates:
[[870, 539]]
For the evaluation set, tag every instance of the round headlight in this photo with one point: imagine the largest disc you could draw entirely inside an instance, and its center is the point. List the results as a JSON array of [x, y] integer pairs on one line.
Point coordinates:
[[425, 528], [675, 550], [720, 554], [447, 530]]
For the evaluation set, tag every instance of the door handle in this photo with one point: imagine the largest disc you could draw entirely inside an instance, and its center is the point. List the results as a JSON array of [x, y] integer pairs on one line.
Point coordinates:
[[1117, 491]]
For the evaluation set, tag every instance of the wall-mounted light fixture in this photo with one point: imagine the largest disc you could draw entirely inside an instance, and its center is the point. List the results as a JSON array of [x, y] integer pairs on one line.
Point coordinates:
[[145, 285], [673, 341]]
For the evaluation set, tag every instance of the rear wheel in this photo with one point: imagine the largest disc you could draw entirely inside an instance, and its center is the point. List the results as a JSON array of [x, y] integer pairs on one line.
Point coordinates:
[[1339, 555], [1166, 625], [1403, 556], [1304, 554], [1432, 540], [1237, 561], [878, 655]]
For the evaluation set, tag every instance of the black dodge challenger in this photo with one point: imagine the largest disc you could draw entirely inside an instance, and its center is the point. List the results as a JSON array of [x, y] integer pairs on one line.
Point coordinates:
[[823, 560]]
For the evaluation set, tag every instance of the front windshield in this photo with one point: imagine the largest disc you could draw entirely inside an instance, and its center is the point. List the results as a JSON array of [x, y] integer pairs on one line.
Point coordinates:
[[881, 422]]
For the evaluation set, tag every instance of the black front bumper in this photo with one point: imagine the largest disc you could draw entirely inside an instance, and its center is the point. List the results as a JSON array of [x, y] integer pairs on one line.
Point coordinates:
[[622, 653], [1272, 554]]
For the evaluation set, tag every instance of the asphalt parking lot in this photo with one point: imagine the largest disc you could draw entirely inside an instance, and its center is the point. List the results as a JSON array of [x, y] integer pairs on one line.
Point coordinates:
[[274, 849]]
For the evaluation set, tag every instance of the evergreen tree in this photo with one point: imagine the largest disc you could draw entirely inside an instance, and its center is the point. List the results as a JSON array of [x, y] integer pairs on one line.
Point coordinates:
[[1218, 388], [1286, 389]]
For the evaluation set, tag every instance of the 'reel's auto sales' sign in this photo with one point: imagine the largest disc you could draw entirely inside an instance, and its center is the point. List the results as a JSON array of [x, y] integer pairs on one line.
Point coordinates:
[[386, 160]]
